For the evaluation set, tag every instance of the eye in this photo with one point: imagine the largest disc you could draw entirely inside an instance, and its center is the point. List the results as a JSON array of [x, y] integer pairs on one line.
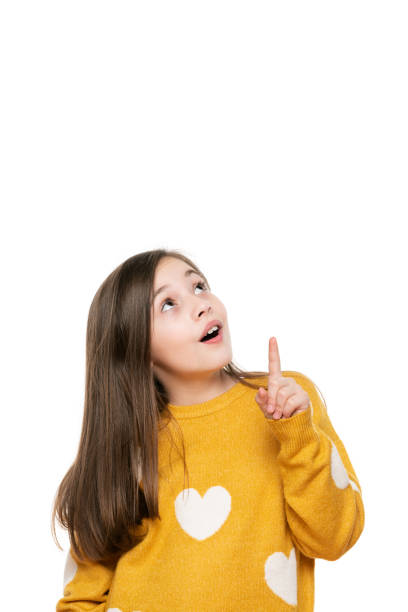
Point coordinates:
[[167, 300]]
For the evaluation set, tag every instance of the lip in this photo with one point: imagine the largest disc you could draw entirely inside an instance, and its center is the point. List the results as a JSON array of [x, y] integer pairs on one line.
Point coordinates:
[[209, 325]]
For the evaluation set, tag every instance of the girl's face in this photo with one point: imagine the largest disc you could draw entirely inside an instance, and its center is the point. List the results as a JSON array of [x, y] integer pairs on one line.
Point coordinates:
[[180, 313]]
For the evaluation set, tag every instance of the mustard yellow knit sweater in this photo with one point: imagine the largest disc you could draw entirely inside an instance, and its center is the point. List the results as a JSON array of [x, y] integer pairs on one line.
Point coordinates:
[[265, 498]]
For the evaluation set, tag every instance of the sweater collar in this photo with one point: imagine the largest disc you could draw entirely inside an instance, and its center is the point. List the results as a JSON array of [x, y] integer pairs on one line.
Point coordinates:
[[212, 405]]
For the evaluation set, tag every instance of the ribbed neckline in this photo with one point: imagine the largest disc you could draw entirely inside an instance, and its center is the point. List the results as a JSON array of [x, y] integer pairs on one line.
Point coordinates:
[[212, 405]]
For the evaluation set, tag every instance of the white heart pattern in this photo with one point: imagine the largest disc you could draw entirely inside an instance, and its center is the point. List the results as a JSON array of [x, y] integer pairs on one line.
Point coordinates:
[[70, 570], [281, 576], [201, 517], [338, 471]]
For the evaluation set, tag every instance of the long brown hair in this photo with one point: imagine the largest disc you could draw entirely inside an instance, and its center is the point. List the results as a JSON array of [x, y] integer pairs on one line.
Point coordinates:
[[113, 482]]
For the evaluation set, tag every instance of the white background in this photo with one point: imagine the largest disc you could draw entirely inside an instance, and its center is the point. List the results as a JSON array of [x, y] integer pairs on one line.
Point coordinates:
[[268, 142]]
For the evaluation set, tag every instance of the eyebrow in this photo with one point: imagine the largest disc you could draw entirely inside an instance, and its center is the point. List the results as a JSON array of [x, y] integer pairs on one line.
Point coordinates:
[[188, 272]]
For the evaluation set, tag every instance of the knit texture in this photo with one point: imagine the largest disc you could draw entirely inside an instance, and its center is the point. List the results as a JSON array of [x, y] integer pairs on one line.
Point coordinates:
[[264, 498]]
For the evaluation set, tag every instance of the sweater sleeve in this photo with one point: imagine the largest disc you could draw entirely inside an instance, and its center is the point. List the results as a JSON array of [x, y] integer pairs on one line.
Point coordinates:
[[323, 500], [86, 586]]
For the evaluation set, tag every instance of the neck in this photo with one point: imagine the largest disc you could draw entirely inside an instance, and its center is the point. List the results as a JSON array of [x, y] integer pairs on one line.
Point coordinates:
[[196, 391]]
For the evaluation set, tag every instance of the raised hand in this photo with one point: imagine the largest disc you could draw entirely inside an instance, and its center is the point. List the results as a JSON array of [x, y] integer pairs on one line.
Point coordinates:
[[284, 397]]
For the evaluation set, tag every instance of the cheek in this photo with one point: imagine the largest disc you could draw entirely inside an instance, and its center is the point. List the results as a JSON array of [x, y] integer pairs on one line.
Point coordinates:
[[220, 308], [168, 338]]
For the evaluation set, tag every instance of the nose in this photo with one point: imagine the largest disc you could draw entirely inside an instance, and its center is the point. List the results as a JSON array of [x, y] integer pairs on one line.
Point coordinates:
[[203, 308]]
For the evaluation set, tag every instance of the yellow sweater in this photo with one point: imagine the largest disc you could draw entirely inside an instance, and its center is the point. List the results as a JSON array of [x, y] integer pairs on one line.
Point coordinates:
[[265, 498]]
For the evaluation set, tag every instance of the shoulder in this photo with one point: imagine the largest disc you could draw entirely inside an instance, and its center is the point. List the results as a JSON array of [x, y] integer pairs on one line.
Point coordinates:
[[258, 381], [304, 381], [319, 407], [308, 385], [298, 376]]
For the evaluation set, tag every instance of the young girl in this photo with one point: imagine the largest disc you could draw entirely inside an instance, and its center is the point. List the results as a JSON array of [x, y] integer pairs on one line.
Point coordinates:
[[270, 485]]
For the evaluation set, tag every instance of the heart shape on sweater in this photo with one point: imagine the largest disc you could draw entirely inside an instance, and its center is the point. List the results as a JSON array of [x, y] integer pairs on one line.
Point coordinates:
[[119, 610], [70, 570], [201, 517], [338, 471], [281, 576]]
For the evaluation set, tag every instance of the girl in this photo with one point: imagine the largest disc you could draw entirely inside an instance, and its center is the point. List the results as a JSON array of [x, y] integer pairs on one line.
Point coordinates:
[[272, 487]]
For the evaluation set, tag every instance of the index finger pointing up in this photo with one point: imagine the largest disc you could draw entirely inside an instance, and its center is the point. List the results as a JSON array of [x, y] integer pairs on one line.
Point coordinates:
[[274, 360]]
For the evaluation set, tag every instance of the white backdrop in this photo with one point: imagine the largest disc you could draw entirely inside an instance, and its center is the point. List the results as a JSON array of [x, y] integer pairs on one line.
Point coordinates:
[[268, 142]]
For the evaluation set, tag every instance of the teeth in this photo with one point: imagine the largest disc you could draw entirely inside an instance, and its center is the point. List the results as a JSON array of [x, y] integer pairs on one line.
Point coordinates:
[[212, 329]]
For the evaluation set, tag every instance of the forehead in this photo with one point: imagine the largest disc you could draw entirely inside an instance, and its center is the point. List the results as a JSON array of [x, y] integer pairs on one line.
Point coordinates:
[[169, 271], [168, 268]]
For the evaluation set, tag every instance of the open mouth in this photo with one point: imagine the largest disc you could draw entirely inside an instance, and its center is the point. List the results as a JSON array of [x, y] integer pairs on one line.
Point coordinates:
[[216, 334]]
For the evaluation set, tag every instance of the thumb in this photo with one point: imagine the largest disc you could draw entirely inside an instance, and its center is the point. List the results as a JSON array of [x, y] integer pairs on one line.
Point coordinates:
[[262, 394]]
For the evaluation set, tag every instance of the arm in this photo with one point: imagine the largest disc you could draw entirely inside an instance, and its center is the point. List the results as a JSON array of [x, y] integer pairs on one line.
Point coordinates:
[[86, 586], [323, 501]]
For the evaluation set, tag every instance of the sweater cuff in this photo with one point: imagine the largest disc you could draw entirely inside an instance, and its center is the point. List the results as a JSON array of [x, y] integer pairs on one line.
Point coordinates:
[[296, 431]]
